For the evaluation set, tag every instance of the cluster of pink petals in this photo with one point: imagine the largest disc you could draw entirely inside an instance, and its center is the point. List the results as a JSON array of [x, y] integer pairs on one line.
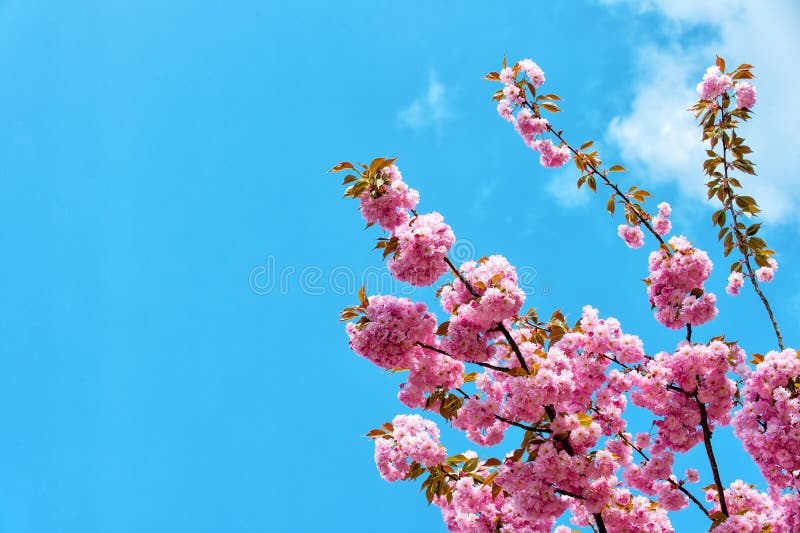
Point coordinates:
[[735, 283], [472, 508], [529, 126], [701, 372], [414, 438], [569, 377], [422, 246], [661, 222], [745, 95], [389, 203], [632, 235], [751, 511], [714, 84], [498, 298], [769, 422], [767, 273], [635, 514], [525, 123], [534, 73], [395, 326], [551, 156], [673, 279], [428, 371]]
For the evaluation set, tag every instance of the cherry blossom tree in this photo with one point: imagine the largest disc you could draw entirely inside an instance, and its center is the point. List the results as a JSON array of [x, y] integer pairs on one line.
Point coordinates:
[[555, 394]]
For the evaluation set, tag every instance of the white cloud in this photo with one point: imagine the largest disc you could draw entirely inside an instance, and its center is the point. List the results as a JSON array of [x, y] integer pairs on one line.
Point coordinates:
[[562, 188], [429, 109], [661, 138]]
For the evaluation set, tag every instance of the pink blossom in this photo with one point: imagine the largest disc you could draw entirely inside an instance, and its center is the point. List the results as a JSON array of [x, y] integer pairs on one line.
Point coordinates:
[[769, 422], [421, 248], [430, 370], [507, 76], [692, 475], [513, 94], [528, 126], [388, 200], [505, 111], [765, 274], [413, 438], [735, 282], [535, 74], [676, 285], [392, 328], [632, 235], [714, 84], [662, 226], [745, 95], [551, 156]]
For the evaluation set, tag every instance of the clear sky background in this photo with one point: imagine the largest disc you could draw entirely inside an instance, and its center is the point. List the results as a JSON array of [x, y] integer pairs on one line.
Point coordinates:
[[175, 256]]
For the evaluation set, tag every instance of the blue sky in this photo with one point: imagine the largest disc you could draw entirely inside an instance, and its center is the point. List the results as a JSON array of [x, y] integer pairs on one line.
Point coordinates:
[[176, 256]]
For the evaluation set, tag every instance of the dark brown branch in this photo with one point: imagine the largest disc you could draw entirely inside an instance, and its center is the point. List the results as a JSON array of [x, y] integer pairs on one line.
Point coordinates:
[[523, 426], [711, 459], [484, 365], [688, 333]]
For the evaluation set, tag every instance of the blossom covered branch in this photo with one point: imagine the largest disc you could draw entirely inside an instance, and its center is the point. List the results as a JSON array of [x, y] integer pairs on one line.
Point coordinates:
[[558, 389]]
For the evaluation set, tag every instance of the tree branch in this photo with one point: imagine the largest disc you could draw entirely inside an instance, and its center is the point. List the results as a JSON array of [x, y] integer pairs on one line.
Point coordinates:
[[711, 459]]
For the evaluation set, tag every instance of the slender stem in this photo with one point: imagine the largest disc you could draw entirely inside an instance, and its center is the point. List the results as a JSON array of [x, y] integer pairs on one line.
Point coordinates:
[[500, 325], [523, 426], [605, 179], [711, 459], [671, 482], [688, 333], [743, 248], [484, 365], [568, 493]]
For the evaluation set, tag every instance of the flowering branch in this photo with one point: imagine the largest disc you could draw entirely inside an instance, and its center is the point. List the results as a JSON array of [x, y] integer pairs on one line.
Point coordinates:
[[711, 459]]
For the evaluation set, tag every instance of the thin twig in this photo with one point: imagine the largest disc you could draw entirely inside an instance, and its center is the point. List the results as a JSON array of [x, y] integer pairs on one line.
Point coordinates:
[[743, 248], [711, 459], [500, 325]]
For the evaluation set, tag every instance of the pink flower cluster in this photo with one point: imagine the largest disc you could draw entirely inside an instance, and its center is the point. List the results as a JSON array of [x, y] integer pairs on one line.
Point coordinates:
[[767, 273], [422, 246], [422, 241], [751, 511], [714, 84], [430, 370], [389, 200], [569, 377], [661, 222], [735, 283], [529, 126], [413, 438], [769, 422], [551, 156], [525, 123], [632, 235], [393, 328], [676, 285], [673, 381], [498, 298], [745, 95]]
